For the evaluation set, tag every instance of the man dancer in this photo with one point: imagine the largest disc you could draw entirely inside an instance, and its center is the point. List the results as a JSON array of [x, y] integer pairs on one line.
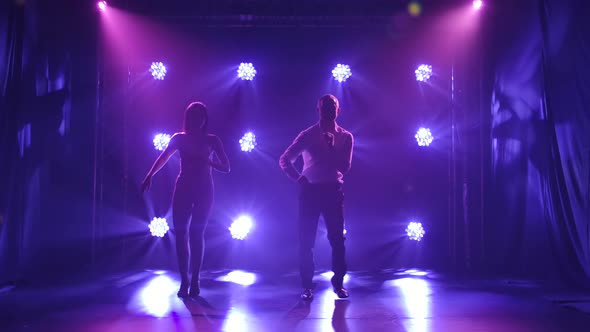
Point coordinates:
[[327, 153]]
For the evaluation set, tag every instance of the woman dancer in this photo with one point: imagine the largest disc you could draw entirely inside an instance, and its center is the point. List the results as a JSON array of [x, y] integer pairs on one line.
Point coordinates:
[[193, 193]]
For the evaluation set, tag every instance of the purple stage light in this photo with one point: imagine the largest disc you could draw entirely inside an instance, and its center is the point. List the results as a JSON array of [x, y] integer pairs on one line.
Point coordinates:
[[423, 137], [341, 72], [477, 4], [102, 5], [158, 70], [423, 73], [161, 141], [246, 71], [240, 228], [415, 231], [248, 142], [158, 227]]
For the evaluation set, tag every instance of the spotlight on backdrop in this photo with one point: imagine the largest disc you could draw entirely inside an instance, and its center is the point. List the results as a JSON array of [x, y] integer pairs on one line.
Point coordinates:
[[158, 70], [102, 5], [341, 73], [158, 227], [477, 4], [423, 73], [240, 228], [161, 141], [423, 137], [248, 142], [246, 71], [415, 231]]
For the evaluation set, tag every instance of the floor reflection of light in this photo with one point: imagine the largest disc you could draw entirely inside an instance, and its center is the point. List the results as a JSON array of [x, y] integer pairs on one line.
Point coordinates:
[[235, 321], [325, 300], [328, 276], [412, 272], [155, 296], [416, 298], [330, 310], [239, 277]]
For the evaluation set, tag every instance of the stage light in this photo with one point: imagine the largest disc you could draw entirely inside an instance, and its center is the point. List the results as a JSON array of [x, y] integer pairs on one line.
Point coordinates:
[[161, 141], [158, 70], [414, 8], [415, 231], [158, 227], [240, 228], [424, 137], [341, 72], [102, 5], [246, 71], [477, 4], [423, 73], [248, 142]]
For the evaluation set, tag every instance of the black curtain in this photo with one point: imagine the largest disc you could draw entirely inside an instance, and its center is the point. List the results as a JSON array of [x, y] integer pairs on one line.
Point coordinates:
[[48, 101], [12, 34], [538, 224], [566, 110]]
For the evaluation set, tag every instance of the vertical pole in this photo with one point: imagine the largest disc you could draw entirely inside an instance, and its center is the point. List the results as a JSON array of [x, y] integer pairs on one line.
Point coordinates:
[[482, 144], [97, 146], [125, 183], [452, 177]]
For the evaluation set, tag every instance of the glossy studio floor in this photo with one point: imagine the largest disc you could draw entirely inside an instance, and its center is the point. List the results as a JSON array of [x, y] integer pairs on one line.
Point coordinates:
[[410, 300]]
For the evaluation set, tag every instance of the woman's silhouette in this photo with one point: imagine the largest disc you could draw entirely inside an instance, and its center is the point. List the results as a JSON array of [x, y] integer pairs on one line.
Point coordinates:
[[193, 193]]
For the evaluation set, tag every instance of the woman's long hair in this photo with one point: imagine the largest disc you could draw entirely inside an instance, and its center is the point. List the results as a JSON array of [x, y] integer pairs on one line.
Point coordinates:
[[195, 118]]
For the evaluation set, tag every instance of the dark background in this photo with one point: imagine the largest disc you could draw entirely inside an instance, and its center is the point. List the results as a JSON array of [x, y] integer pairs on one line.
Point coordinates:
[[506, 194]]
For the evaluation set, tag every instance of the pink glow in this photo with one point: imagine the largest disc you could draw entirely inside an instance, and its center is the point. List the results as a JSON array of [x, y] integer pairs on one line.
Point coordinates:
[[477, 4], [102, 5], [135, 39]]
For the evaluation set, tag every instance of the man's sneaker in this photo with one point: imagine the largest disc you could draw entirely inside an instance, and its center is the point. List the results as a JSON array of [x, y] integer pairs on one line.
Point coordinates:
[[307, 294], [338, 288], [341, 292]]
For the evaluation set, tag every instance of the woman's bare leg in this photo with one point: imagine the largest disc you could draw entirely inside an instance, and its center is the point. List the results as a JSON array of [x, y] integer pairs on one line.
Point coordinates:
[[200, 216], [181, 210]]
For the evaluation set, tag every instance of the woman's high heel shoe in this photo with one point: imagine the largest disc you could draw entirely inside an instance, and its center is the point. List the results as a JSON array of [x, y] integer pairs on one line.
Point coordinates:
[[195, 289], [183, 291]]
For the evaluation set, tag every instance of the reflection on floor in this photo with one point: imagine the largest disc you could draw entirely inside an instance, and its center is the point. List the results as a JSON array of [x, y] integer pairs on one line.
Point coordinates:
[[413, 301]]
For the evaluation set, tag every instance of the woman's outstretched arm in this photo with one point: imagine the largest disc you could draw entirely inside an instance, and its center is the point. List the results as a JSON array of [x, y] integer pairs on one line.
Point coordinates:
[[159, 163]]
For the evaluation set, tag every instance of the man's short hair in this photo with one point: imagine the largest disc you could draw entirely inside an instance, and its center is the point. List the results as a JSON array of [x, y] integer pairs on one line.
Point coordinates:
[[326, 97]]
